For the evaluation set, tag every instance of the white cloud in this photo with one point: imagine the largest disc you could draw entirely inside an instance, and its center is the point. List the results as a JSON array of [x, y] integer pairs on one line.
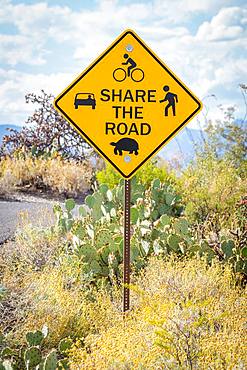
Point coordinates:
[[35, 25], [207, 61], [16, 49], [232, 72], [88, 32], [179, 11], [15, 85], [228, 24]]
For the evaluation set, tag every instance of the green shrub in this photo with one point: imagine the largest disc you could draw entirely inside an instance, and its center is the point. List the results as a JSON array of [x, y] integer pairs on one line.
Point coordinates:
[[145, 175], [108, 176], [211, 188]]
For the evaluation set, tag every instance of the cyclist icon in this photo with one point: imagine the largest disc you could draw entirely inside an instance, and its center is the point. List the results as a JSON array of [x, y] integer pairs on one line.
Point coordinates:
[[129, 61], [136, 74]]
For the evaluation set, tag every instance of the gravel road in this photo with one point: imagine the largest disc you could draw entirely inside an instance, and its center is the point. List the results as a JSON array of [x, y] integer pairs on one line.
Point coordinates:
[[37, 211]]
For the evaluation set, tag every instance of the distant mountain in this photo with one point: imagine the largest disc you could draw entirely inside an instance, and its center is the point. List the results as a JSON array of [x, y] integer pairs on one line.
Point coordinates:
[[182, 146], [4, 131]]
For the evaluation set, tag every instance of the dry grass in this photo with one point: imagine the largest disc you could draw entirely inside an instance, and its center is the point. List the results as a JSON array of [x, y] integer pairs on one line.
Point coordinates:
[[33, 249], [44, 286], [54, 174], [186, 315]]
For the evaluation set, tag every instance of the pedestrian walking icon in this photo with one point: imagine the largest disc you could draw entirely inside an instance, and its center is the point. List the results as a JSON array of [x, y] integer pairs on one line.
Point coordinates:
[[172, 99], [136, 74]]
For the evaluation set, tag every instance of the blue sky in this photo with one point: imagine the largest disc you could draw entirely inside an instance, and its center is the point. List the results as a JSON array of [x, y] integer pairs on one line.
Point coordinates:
[[46, 44]]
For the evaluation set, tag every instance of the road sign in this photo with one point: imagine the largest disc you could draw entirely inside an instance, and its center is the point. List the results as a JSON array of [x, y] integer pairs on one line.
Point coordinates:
[[128, 104]]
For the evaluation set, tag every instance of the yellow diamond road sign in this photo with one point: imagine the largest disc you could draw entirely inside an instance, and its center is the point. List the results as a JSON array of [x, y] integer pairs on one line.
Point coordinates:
[[128, 104]]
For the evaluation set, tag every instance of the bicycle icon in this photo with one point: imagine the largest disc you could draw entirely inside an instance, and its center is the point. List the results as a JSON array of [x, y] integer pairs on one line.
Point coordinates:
[[137, 74]]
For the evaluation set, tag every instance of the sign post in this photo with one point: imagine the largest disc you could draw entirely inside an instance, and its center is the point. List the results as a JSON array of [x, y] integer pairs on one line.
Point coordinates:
[[126, 252], [128, 104]]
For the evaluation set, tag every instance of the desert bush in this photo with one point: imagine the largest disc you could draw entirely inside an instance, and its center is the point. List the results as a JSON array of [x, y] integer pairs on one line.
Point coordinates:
[[55, 302], [7, 183], [43, 283], [108, 176], [145, 175], [213, 193], [70, 177], [227, 138], [32, 249], [45, 131], [211, 188], [185, 315], [54, 296], [53, 173]]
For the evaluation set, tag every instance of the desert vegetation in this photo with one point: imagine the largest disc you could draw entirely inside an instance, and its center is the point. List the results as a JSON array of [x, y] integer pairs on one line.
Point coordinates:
[[61, 286], [46, 154], [52, 174]]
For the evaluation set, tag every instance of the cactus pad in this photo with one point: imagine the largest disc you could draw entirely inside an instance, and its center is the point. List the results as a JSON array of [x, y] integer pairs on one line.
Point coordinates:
[[51, 361], [34, 338], [64, 345], [32, 357]]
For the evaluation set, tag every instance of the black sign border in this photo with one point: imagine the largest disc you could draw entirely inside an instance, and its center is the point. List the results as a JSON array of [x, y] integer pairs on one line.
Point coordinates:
[[91, 67]]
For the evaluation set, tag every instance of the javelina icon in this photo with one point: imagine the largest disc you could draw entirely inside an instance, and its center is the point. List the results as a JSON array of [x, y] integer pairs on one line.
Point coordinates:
[[127, 145]]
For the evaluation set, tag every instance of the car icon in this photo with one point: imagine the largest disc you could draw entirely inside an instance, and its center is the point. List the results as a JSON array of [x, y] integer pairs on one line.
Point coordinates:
[[85, 99]]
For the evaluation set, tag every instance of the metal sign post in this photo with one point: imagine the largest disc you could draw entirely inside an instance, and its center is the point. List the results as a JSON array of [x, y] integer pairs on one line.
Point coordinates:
[[126, 252]]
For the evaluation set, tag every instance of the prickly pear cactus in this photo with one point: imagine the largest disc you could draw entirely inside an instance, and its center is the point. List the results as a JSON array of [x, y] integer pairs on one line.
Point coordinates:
[[64, 345], [51, 361], [69, 204], [19, 363], [173, 242], [227, 247], [235, 252], [6, 365], [7, 352], [103, 237], [97, 234], [32, 357], [34, 338]]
